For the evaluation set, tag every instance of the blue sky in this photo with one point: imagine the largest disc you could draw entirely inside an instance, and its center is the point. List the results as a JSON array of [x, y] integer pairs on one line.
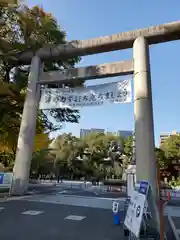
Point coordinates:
[[83, 19]]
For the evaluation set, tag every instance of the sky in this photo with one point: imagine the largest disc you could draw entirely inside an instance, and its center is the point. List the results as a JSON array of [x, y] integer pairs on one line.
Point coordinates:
[[83, 19]]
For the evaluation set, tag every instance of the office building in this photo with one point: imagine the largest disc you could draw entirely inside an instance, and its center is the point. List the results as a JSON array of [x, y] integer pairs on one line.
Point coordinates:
[[165, 136], [85, 132], [124, 133], [97, 130], [111, 133]]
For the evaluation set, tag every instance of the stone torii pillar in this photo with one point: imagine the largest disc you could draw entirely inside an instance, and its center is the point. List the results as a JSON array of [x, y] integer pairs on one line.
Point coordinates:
[[27, 132], [144, 127], [143, 115]]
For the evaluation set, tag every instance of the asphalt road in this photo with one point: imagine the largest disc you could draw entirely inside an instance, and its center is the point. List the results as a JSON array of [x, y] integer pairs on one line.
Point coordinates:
[[50, 222]]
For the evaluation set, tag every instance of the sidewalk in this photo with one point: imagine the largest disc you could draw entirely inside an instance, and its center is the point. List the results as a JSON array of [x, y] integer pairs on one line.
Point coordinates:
[[75, 200], [173, 213], [174, 202]]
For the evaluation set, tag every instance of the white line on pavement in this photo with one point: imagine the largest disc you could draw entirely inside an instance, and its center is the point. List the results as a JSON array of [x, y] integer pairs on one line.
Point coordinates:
[[32, 212], [75, 217]]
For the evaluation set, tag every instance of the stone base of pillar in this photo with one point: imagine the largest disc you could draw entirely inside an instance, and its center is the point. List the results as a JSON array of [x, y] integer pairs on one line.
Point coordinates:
[[19, 187], [130, 177]]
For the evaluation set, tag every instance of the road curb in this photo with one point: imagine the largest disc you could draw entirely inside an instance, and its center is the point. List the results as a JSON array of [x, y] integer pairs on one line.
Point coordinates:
[[89, 197], [3, 198]]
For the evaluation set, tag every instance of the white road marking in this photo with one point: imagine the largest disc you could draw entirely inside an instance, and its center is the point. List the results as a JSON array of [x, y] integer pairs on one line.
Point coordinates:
[[32, 212], [64, 191], [15, 198], [75, 217], [1, 208]]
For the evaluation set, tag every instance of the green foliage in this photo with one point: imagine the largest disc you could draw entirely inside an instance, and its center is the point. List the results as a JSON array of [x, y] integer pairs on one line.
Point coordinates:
[[171, 147], [90, 157], [27, 29], [128, 146], [161, 158], [41, 164]]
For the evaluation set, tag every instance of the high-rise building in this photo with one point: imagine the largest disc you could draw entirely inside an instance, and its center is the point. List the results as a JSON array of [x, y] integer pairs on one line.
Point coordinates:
[[124, 133], [165, 136], [85, 132], [112, 133], [97, 130]]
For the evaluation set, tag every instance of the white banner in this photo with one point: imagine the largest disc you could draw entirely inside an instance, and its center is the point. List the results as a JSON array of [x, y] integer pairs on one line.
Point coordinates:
[[134, 214], [118, 92]]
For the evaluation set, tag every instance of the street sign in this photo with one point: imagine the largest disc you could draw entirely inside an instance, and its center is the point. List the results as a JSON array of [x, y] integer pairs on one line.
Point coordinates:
[[5, 179], [144, 187], [115, 207], [134, 213], [1, 178]]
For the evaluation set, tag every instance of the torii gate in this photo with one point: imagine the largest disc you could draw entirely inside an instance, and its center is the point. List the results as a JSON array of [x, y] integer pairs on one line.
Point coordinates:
[[139, 66]]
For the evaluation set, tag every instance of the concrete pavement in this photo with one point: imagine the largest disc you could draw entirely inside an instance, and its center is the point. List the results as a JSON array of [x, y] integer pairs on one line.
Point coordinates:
[[34, 220], [71, 200], [51, 209]]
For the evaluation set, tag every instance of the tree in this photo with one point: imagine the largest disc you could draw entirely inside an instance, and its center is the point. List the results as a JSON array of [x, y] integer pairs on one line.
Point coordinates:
[[171, 147], [41, 141], [28, 29], [94, 157], [161, 158], [102, 155], [41, 164], [42, 161], [65, 148], [128, 143]]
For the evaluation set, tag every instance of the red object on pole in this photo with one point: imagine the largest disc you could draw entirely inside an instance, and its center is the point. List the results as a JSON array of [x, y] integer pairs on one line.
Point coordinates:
[[160, 203], [169, 196]]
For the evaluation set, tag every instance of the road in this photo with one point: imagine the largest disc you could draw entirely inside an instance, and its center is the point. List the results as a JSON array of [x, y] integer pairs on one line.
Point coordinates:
[[21, 219], [51, 205], [58, 212]]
